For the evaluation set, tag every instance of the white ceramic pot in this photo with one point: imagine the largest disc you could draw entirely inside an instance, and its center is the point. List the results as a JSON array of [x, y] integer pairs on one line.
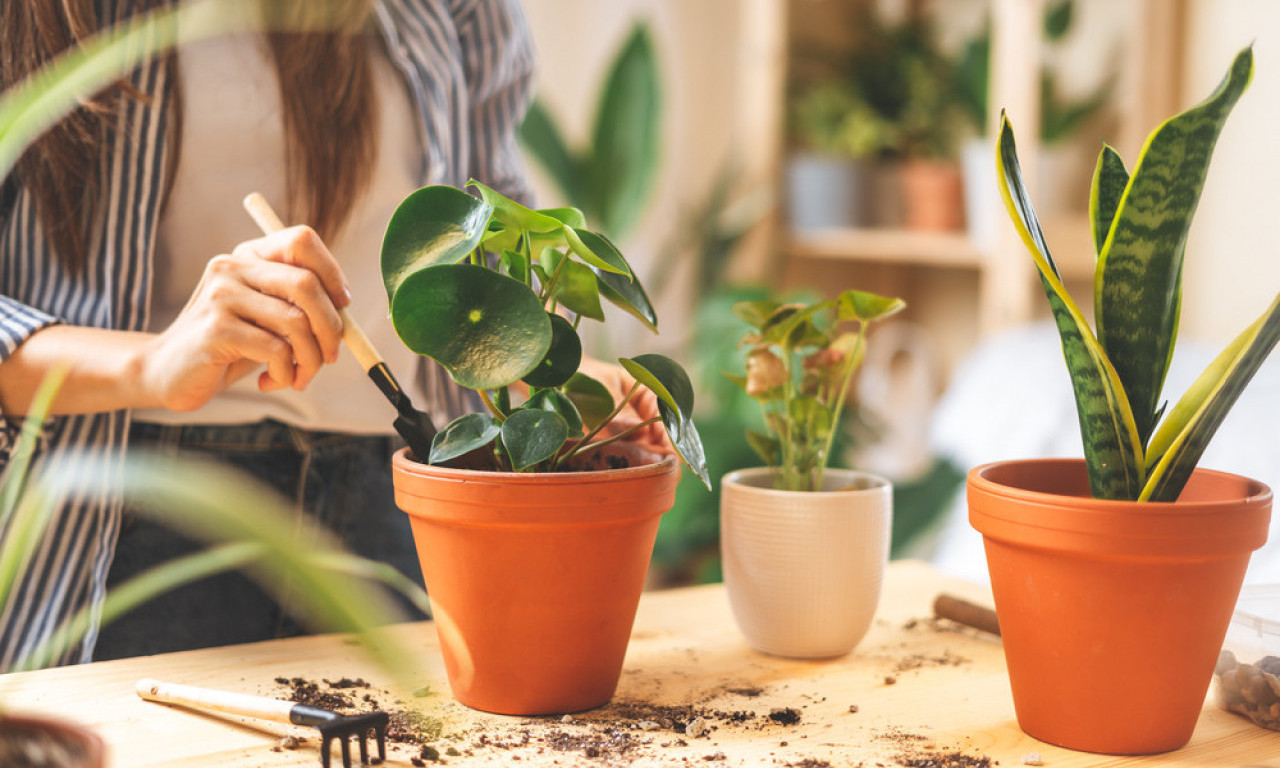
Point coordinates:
[[804, 569]]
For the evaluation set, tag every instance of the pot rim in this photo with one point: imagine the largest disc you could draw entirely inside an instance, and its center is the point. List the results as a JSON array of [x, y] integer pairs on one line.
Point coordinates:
[[738, 476], [979, 478], [1230, 516], [400, 461], [95, 747]]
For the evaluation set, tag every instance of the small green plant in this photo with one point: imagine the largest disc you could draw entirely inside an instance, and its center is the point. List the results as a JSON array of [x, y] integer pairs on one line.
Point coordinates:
[[479, 284], [1140, 222], [800, 364]]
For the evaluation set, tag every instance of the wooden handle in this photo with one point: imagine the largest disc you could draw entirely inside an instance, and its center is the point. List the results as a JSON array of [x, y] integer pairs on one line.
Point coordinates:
[[227, 702], [267, 220], [964, 612]]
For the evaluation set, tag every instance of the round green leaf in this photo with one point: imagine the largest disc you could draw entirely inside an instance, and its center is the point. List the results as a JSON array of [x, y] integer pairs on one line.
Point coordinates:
[[562, 358], [486, 329], [514, 214], [629, 295], [569, 216], [577, 289], [593, 399], [434, 225], [666, 378], [463, 435], [531, 435], [557, 402]]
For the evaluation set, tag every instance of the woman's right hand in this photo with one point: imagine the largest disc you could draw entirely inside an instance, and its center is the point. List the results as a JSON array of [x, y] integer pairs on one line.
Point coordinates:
[[273, 301]]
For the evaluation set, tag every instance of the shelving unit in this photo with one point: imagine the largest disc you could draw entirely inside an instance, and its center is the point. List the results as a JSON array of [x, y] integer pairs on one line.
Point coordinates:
[[998, 281]]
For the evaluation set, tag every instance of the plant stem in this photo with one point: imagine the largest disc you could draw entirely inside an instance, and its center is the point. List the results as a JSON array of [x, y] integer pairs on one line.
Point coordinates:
[[617, 409], [850, 367], [584, 447], [493, 408]]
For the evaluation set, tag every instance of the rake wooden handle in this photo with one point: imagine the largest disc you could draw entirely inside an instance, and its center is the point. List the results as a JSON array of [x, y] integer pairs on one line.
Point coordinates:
[[265, 216], [964, 612], [227, 702]]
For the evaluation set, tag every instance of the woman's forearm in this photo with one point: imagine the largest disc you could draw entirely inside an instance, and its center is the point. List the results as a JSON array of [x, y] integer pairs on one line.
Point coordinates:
[[106, 370]]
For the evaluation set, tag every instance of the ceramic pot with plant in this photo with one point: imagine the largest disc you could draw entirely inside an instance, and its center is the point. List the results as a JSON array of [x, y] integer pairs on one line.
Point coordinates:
[[534, 530], [1115, 576], [804, 547]]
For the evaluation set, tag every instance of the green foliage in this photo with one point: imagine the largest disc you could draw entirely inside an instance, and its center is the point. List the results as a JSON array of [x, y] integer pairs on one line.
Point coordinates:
[[1060, 117], [491, 320], [1140, 223], [609, 180], [801, 361]]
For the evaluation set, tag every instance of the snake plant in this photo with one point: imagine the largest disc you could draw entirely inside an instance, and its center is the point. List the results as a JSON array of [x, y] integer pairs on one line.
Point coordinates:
[[1140, 221]]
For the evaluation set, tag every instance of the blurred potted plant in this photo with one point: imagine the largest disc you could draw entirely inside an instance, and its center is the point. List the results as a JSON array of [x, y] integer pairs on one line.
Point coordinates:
[[1115, 576], [840, 136], [804, 547], [534, 533], [1061, 118]]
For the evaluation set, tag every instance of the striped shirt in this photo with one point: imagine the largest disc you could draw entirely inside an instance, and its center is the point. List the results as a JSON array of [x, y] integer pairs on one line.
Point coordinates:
[[468, 66]]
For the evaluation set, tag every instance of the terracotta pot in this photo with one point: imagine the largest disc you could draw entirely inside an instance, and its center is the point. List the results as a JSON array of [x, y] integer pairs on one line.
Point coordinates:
[[67, 745], [534, 578], [933, 195], [803, 569], [1112, 613]]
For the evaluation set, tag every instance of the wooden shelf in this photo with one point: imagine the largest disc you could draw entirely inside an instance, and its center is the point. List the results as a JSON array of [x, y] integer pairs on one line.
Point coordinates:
[[895, 246], [1068, 238]]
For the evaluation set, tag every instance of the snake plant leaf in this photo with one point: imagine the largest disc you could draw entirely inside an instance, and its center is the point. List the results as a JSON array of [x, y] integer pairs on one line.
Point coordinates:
[[1111, 446], [1109, 181], [596, 250], [513, 214], [1178, 444], [593, 400], [624, 158], [1137, 282], [688, 443], [486, 329], [865, 307], [546, 144], [463, 435], [562, 358], [666, 378], [531, 435], [575, 286], [557, 402], [433, 225]]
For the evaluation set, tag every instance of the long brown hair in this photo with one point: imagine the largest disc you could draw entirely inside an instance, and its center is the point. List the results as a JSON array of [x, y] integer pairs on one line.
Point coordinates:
[[330, 118]]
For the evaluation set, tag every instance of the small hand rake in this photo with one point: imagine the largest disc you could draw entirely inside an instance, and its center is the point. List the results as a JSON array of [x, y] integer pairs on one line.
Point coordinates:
[[330, 724]]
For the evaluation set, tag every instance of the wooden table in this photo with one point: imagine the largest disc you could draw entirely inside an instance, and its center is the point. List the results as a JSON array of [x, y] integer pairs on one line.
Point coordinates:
[[915, 690]]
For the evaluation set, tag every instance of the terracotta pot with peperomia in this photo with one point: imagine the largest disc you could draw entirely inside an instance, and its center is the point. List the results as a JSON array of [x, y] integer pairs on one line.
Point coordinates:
[[800, 366], [526, 504], [1122, 568], [1140, 222]]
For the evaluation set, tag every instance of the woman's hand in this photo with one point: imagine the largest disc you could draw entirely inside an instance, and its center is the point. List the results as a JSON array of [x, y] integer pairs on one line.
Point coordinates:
[[272, 301], [643, 406]]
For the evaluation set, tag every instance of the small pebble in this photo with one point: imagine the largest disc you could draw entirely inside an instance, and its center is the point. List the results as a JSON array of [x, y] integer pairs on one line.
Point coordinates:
[[714, 756], [290, 742], [853, 709], [567, 719], [696, 727], [647, 725], [1032, 758], [890, 680]]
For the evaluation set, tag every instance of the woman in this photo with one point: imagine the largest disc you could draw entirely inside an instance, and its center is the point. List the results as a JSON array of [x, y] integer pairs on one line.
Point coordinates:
[[105, 251]]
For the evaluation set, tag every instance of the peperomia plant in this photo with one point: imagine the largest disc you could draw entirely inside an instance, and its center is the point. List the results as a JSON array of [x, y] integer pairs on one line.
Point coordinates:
[[1140, 224], [800, 364], [494, 292]]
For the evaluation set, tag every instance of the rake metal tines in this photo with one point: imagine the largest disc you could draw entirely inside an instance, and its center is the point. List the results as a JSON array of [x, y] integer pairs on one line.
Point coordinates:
[[331, 725]]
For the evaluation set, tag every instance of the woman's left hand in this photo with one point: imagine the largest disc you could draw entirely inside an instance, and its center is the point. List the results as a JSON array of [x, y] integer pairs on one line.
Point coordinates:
[[642, 407]]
